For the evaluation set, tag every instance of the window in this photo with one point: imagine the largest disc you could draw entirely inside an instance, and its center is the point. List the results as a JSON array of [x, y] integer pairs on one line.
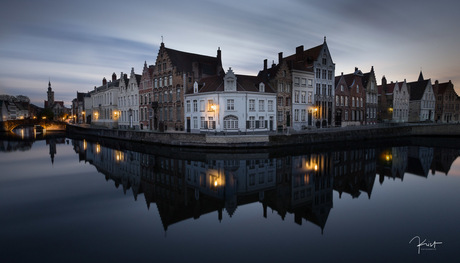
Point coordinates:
[[346, 101], [352, 101], [337, 100], [310, 82], [296, 115], [261, 122], [195, 123], [261, 105], [296, 81], [324, 90], [202, 105], [324, 73], [170, 80], [270, 105], [357, 88], [287, 101], [341, 100], [341, 87], [280, 101], [188, 106], [195, 106], [304, 82], [161, 82], [303, 97], [203, 123], [296, 96], [318, 89], [318, 73], [230, 104], [280, 87], [279, 116], [329, 90], [252, 105], [156, 84], [310, 97], [230, 122], [303, 114], [210, 104], [178, 94], [252, 122], [329, 74]]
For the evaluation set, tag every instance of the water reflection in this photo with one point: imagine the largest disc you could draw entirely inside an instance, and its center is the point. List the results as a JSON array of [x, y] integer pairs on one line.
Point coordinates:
[[185, 186]]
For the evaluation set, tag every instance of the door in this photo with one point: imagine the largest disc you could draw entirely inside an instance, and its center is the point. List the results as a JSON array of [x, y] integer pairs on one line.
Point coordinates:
[[188, 124]]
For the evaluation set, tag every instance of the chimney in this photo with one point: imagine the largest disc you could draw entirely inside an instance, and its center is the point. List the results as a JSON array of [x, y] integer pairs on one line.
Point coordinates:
[[356, 69], [299, 50], [219, 54], [265, 64], [114, 76], [280, 57], [104, 82]]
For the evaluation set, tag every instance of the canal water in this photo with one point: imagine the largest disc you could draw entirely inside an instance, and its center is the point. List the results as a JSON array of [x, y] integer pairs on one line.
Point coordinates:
[[78, 200]]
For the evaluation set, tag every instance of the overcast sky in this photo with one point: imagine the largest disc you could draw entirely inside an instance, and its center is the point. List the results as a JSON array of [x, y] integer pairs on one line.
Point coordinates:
[[77, 43]]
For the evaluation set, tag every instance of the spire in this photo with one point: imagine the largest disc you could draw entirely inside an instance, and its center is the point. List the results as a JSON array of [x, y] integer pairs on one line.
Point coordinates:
[[324, 39], [420, 77]]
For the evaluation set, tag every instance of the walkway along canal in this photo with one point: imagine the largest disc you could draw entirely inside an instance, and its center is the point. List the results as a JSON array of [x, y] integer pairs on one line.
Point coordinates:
[[330, 135]]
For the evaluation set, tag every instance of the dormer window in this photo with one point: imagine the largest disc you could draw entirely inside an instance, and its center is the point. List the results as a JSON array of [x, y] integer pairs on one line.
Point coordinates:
[[230, 81], [195, 87], [261, 87]]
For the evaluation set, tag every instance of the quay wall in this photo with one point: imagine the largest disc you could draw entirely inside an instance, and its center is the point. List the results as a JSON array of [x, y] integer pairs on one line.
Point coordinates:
[[331, 135]]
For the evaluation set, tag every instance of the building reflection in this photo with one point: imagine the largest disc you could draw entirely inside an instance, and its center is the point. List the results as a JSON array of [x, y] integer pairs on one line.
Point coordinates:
[[297, 185]]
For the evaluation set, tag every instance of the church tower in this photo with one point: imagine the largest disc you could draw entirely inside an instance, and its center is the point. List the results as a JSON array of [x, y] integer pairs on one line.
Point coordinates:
[[50, 96]]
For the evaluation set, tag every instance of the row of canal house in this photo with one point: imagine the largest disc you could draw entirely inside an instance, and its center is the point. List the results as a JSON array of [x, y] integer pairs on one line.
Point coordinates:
[[193, 93]]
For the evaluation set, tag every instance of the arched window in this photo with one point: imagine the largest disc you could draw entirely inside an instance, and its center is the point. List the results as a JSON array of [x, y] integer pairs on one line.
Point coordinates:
[[230, 122]]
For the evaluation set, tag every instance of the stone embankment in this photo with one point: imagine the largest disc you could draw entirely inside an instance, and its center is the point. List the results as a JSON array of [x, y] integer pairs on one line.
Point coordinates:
[[329, 135]]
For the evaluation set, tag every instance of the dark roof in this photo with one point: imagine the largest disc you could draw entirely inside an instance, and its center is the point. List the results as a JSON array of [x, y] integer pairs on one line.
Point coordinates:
[[417, 88], [304, 60], [244, 83], [269, 73], [390, 88], [367, 76], [184, 61]]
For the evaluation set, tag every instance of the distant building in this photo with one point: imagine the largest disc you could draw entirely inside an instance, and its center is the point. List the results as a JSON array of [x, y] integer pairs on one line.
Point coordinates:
[[422, 100], [318, 60], [102, 108], [3, 111], [370, 84], [447, 102], [175, 73], [146, 117], [57, 107], [279, 76], [128, 102], [350, 96], [230, 103], [393, 101]]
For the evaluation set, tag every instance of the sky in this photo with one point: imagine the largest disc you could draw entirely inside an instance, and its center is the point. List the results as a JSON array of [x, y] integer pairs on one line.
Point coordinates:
[[75, 44]]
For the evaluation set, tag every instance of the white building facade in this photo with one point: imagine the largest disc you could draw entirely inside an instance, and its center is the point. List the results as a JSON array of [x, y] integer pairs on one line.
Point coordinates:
[[128, 101], [400, 102], [234, 103], [102, 104], [303, 105]]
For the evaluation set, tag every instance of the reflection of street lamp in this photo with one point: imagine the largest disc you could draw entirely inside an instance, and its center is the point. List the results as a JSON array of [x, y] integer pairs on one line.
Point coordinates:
[[213, 107]]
